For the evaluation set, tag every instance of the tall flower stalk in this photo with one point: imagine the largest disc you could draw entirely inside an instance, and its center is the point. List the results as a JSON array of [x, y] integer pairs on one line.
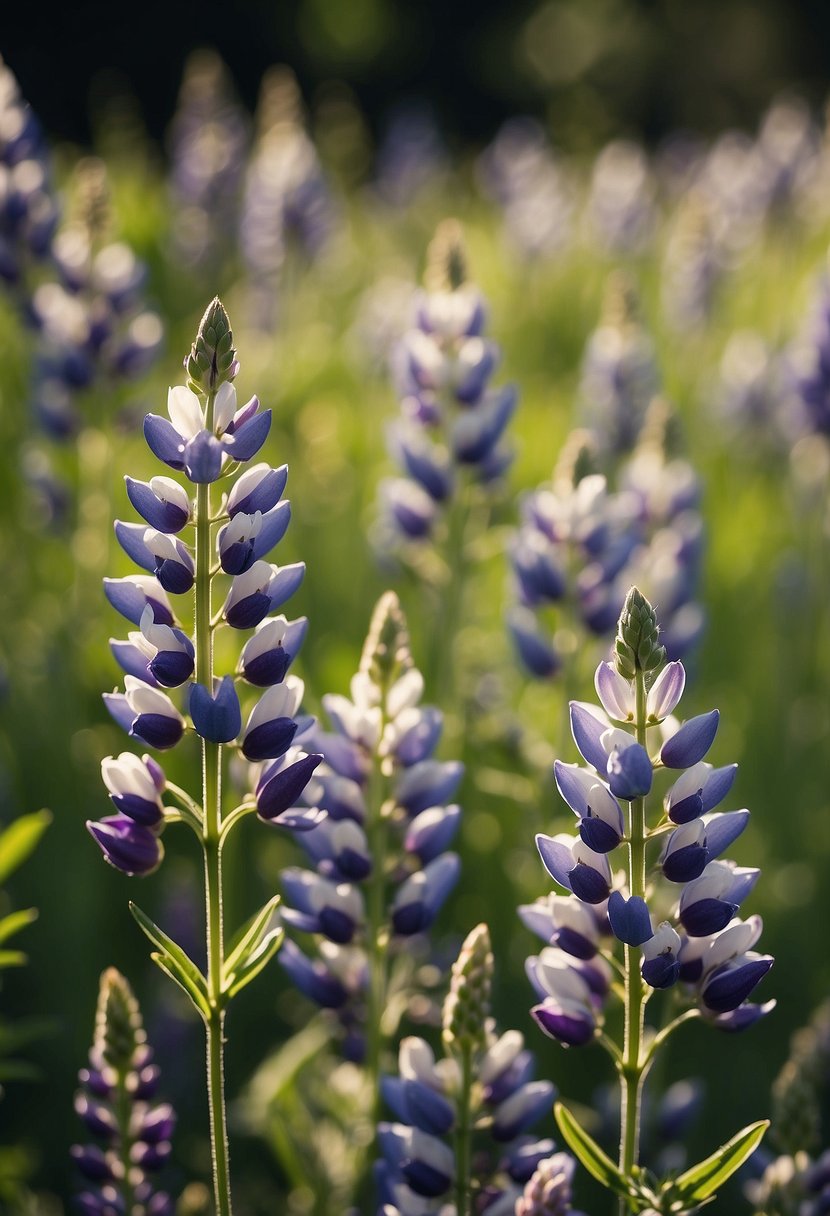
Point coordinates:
[[210, 441], [701, 950]]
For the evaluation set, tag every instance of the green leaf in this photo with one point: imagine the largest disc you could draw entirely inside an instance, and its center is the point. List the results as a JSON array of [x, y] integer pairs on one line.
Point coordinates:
[[173, 961], [702, 1180], [11, 958], [255, 962], [20, 839], [16, 921], [586, 1150], [248, 940]]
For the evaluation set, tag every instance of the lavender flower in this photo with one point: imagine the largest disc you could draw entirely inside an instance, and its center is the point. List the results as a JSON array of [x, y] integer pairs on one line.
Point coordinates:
[[621, 204], [208, 142], [171, 685], [115, 1103], [381, 866], [483, 1081], [700, 946], [412, 157], [810, 362], [693, 266]]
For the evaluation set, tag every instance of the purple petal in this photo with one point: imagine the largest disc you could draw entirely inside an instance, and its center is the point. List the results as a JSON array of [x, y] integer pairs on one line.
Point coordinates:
[[691, 742], [164, 441], [629, 918]]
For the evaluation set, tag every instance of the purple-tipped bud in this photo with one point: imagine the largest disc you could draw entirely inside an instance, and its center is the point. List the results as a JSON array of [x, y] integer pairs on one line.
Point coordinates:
[[127, 845], [282, 784]]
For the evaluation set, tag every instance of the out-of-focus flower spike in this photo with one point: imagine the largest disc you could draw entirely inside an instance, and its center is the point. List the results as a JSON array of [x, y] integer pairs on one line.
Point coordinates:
[[467, 1005]]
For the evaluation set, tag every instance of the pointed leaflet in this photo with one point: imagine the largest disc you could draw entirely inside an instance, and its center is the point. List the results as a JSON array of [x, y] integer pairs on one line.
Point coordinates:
[[175, 963], [19, 839], [586, 1150], [255, 945], [702, 1180]]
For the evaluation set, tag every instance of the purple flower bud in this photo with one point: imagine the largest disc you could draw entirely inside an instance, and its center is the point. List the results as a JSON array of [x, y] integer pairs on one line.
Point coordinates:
[[432, 831], [127, 845], [312, 978], [162, 502], [267, 656], [629, 772], [282, 784], [203, 458], [258, 489], [419, 899], [535, 651]]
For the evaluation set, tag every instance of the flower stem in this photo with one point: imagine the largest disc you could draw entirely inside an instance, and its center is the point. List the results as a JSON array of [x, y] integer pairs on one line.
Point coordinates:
[[462, 1135], [124, 1111], [632, 1068], [212, 847]]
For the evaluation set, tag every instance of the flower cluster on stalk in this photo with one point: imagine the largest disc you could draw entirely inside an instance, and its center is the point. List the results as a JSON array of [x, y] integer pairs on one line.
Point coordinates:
[[377, 829], [286, 199], [116, 1105], [581, 543], [207, 438], [452, 424], [462, 1139], [28, 209], [681, 912], [208, 142], [93, 326]]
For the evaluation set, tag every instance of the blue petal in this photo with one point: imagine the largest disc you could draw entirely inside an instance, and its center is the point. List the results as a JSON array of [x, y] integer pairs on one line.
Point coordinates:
[[265, 495], [427, 1109], [248, 612], [273, 529], [157, 730], [133, 661], [629, 919], [163, 516], [218, 718], [691, 742], [717, 786], [598, 835], [203, 458], [707, 916], [283, 789], [571, 789], [724, 828], [246, 442], [557, 859], [587, 730], [130, 600], [131, 539], [270, 740], [284, 584], [629, 772], [120, 709], [164, 441], [172, 668], [537, 653], [588, 884], [730, 987], [662, 971], [686, 864]]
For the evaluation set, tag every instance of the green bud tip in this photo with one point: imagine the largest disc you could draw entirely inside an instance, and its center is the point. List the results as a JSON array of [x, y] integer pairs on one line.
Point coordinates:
[[636, 647], [467, 1006], [577, 460], [621, 303], [212, 358], [446, 268], [118, 1026], [386, 652]]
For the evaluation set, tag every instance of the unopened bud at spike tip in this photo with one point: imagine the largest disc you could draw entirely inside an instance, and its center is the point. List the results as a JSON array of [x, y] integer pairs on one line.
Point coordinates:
[[212, 358], [446, 268], [467, 1006], [637, 647], [118, 1028], [386, 653]]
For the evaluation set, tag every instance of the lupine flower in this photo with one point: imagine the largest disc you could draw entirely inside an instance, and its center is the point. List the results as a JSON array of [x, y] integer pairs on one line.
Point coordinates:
[[411, 157], [483, 1080], [580, 544], [621, 204], [116, 1105], [749, 391], [286, 198], [453, 422], [381, 866], [521, 173], [160, 655], [93, 326], [208, 141], [619, 370], [810, 367], [693, 266], [701, 947], [190, 544], [28, 210]]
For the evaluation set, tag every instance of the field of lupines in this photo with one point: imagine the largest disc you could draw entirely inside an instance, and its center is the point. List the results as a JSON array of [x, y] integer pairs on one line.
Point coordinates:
[[428, 790]]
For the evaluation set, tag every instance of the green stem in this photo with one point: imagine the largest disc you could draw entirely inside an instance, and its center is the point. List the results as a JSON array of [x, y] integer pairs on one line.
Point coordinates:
[[463, 1136], [212, 846], [124, 1110], [633, 1066]]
